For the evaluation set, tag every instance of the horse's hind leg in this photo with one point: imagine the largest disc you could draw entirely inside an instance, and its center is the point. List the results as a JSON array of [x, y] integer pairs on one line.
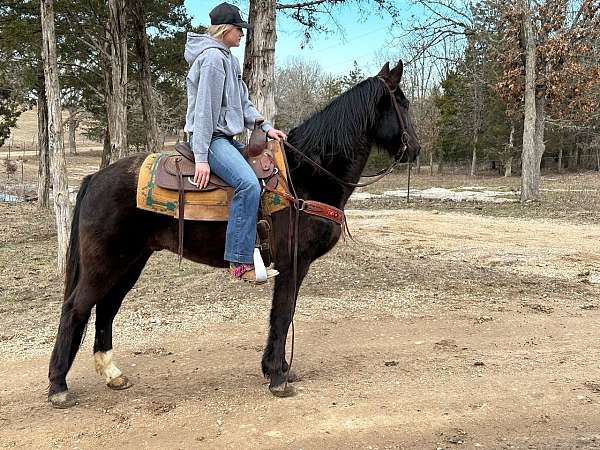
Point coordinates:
[[74, 317], [106, 311], [94, 286]]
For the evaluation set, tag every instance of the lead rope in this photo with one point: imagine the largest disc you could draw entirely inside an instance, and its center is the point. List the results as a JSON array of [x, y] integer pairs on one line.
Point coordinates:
[[293, 243], [408, 184]]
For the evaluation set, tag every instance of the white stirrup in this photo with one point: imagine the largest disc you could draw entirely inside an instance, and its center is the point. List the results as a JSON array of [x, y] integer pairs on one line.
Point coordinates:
[[259, 267]]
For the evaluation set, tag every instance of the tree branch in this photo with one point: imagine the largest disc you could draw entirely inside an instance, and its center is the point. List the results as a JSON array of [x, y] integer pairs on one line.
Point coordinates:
[[304, 4]]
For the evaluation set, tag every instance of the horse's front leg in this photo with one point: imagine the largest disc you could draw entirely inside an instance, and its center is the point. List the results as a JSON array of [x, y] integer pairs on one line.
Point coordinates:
[[274, 365]]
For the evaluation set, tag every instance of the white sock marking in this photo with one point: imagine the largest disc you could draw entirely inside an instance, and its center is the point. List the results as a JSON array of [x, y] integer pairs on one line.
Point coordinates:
[[105, 366]]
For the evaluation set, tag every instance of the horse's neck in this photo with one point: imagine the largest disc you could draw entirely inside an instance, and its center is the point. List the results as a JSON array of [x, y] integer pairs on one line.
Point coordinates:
[[313, 184]]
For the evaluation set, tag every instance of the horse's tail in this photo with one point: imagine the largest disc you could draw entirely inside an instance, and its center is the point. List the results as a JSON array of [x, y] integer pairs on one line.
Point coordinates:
[[72, 270]]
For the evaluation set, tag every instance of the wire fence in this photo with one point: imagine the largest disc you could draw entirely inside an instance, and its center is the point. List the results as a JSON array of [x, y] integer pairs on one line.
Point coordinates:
[[549, 164], [21, 149]]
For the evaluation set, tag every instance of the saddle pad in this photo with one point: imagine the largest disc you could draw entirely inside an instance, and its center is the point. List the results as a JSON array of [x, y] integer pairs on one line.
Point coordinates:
[[209, 205], [272, 202], [206, 205]]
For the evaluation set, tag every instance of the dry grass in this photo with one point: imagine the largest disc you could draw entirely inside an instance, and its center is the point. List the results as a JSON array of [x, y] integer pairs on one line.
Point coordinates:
[[570, 196], [25, 134]]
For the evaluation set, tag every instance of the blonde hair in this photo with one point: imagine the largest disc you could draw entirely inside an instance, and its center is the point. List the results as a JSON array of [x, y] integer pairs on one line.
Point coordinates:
[[218, 31]]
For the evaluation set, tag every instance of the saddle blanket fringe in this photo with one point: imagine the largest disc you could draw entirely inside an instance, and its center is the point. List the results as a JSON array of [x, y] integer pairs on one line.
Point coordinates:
[[207, 205]]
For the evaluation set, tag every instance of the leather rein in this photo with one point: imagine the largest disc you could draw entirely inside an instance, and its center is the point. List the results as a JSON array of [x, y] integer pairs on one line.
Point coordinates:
[[323, 210]]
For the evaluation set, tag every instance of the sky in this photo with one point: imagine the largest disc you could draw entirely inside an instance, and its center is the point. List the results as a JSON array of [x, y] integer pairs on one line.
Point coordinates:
[[362, 39]]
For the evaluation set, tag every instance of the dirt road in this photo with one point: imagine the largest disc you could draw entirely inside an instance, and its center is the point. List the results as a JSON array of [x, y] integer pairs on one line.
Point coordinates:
[[449, 330]]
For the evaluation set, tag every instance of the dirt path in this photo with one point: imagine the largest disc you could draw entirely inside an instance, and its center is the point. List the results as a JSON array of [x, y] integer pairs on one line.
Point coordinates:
[[449, 330]]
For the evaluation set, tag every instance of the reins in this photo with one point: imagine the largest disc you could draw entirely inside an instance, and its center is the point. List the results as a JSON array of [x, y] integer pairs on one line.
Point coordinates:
[[382, 173], [378, 176], [300, 205]]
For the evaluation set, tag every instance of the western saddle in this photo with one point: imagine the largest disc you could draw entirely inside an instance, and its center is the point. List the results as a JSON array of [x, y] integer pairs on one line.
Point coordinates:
[[176, 172]]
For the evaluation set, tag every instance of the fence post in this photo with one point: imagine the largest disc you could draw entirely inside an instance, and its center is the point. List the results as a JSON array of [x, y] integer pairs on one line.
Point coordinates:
[[22, 180]]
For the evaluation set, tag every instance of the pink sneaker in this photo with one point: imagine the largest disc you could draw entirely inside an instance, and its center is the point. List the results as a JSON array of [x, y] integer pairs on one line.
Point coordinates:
[[246, 272]]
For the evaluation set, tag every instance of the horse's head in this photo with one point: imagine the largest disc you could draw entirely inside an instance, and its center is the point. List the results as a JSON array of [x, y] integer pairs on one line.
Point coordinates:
[[394, 130]]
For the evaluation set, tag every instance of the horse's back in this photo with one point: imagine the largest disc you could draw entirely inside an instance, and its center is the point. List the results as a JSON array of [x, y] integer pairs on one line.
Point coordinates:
[[108, 207], [112, 224]]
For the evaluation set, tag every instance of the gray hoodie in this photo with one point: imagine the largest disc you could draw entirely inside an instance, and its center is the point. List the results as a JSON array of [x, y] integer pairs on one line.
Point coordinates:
[[217, 96]]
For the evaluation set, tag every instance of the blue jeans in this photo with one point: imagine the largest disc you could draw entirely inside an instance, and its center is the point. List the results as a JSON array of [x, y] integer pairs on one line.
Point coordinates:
[[227, 163]]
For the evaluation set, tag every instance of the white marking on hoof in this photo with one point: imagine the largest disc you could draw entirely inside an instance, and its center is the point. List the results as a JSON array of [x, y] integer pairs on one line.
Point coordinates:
[[61, 397], [105, 366], [62, 400]]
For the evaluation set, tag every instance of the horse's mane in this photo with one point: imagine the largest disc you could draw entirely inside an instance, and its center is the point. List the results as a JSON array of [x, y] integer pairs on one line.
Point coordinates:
[[341, 125]]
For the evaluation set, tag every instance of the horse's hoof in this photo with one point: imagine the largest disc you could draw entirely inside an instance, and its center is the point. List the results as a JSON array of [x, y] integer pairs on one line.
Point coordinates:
[[62, 400], [119, 383], [283, 390]]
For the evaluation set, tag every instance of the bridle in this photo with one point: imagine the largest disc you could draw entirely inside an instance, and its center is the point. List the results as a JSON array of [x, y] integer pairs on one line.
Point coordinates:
[[400, 153], [404, 138]]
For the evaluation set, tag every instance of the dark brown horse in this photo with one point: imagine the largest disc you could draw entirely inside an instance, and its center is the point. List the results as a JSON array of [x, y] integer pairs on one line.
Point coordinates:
[[111, 240]]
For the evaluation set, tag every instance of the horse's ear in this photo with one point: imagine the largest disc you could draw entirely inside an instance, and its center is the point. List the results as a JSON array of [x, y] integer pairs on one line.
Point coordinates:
[[385, 71], [396, 73]]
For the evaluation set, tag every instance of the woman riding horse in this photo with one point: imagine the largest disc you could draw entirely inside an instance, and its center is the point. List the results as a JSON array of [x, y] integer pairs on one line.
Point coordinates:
[[218, 108]]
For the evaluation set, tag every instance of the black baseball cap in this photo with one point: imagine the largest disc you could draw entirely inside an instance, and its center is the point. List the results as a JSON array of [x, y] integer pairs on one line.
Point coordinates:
[[227, 14]]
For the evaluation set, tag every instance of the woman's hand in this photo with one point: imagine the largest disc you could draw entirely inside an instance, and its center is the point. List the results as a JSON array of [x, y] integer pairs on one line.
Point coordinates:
[[278, 135], [202, 174]]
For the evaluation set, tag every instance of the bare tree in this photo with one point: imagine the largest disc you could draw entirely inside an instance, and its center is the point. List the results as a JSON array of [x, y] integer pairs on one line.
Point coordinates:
[[532, 153], [298, 86], [73, 124], [420, 80], [58, 167], [117, 100], [445, 31], [560, 75], [43, 190], [475, 100]]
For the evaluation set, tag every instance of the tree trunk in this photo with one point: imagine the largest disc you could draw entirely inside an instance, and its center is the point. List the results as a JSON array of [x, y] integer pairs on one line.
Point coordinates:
[[530, 175], [511, 151], [431, 162], [117, 99], [43, 190], [106, 148], [418, 164], [58, 166], [560, 157], [508, 167], [105, 160], [540, 125], [571, 158], [474, 158], [141, 46], [259, 57], [72, 128]]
